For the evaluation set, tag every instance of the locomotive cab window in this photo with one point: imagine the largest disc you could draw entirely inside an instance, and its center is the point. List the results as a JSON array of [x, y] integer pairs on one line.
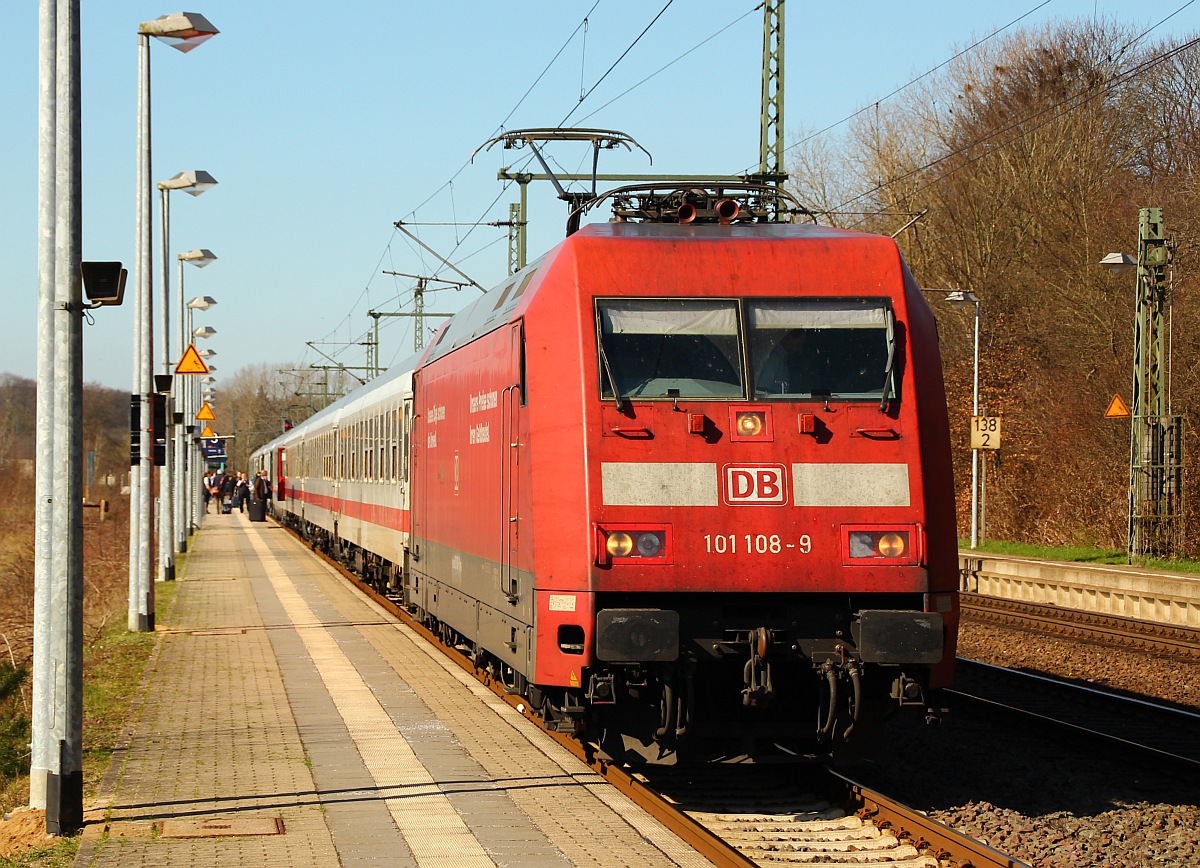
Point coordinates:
[[797, 349], [839, 349], [668, 348]]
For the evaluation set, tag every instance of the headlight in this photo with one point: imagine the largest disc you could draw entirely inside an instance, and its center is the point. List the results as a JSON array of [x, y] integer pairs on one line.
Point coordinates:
[[880, 544], [633, 543], [750, 424], [649, 544], [619, 544], [892, 545]]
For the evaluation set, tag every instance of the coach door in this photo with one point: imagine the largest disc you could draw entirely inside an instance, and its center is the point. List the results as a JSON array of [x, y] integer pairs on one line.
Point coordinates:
[[511, 400], [281, 475]]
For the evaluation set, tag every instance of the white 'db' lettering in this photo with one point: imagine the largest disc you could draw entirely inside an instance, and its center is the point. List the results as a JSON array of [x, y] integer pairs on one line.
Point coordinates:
[[756, 484]]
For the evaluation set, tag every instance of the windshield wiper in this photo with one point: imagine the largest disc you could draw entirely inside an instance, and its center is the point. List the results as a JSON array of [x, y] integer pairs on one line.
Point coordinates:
[[608, 371], [891, 361]]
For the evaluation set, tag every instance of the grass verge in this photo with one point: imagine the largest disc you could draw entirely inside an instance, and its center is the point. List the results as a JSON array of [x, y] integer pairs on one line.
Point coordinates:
[[113, 665]]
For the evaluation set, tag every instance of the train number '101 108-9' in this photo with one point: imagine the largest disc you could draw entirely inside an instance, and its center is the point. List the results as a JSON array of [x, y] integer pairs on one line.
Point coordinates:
[[753, 544]]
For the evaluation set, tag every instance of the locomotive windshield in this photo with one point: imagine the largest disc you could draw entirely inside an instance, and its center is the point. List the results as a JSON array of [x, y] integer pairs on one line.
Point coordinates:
[[797, 349], [819, 348], [659, 348]]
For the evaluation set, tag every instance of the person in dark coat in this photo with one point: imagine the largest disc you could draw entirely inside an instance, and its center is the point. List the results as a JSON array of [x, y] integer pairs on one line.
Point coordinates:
[[241, 491], [262, 486], [226, 491]]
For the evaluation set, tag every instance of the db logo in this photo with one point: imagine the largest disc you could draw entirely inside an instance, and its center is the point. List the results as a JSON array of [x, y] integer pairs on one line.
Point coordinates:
[[757, 484]]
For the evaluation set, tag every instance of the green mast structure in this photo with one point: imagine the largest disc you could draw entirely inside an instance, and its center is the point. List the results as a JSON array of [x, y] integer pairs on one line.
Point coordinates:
[[770, 143], [1155, 452]]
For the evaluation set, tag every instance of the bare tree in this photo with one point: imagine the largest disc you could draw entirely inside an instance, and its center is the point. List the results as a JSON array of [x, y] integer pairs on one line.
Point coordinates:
[[1030, 159]]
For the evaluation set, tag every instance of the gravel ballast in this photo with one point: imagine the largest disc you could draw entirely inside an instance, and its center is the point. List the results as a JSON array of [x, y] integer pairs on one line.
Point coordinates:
[[1042, 796]]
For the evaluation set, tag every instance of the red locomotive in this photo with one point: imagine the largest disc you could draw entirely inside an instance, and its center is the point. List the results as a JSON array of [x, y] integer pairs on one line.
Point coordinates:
[[678, 481]]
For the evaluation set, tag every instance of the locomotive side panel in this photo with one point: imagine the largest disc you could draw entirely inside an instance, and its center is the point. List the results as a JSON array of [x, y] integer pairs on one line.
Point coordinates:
[[471, 543]]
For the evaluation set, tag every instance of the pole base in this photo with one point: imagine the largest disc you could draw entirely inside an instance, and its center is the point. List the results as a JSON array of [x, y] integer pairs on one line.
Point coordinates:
[[64, 803]]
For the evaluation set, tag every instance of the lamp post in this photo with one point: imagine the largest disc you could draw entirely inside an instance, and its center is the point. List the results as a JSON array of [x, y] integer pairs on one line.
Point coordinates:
[[194, 183], [182, 503], [960, 298], [184, 31], [56, 737]]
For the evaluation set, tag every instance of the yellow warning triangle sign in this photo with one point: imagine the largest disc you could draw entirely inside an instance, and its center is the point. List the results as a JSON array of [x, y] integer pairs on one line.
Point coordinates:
[[208, 433], [206, 414], [1116, 408], [191, 363]]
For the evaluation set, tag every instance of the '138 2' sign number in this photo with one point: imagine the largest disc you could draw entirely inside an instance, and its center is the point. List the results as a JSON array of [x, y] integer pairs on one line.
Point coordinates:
[[985, 432]]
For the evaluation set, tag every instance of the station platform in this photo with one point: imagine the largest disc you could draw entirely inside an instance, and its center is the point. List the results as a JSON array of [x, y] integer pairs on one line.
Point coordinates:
[[285, 719]]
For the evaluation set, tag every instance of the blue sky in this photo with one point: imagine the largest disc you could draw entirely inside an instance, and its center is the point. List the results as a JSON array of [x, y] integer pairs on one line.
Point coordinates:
[[324, 127]]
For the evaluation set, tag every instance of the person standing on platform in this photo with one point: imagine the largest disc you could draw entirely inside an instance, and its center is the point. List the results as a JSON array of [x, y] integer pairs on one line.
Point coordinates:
[[226, 493], [262, 486], [241, 491], [207, 485]]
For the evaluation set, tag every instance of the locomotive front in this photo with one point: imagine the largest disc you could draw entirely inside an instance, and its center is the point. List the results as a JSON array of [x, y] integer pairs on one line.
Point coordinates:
[[768, 491]]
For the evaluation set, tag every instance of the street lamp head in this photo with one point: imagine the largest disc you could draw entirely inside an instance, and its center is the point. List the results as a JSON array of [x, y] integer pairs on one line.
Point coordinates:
[[207, 353], [962, 297], [204, 332], [194, 182], [202, 302], [1118, 262], [199, 258], [208, 379], [181, 30]]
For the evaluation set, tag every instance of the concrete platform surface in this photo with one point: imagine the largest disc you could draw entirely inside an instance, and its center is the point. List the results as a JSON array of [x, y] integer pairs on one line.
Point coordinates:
[[286, 720]]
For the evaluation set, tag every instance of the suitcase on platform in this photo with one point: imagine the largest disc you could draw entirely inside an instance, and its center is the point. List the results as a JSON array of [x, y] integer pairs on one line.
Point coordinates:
[[258, 509], [226, 507]]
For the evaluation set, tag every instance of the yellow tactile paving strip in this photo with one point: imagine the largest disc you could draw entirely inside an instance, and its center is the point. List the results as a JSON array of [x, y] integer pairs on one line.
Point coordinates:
[[432, 828]]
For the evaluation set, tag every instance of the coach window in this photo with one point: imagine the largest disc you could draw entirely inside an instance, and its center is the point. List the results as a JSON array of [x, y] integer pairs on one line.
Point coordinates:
[[840, 349], [380, 468], [669, 348], [369, 448]]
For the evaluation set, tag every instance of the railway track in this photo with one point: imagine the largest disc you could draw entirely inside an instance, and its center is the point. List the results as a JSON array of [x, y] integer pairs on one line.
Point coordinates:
[[1158, 730], [1127, 633], [757, 815], [781, 815]]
